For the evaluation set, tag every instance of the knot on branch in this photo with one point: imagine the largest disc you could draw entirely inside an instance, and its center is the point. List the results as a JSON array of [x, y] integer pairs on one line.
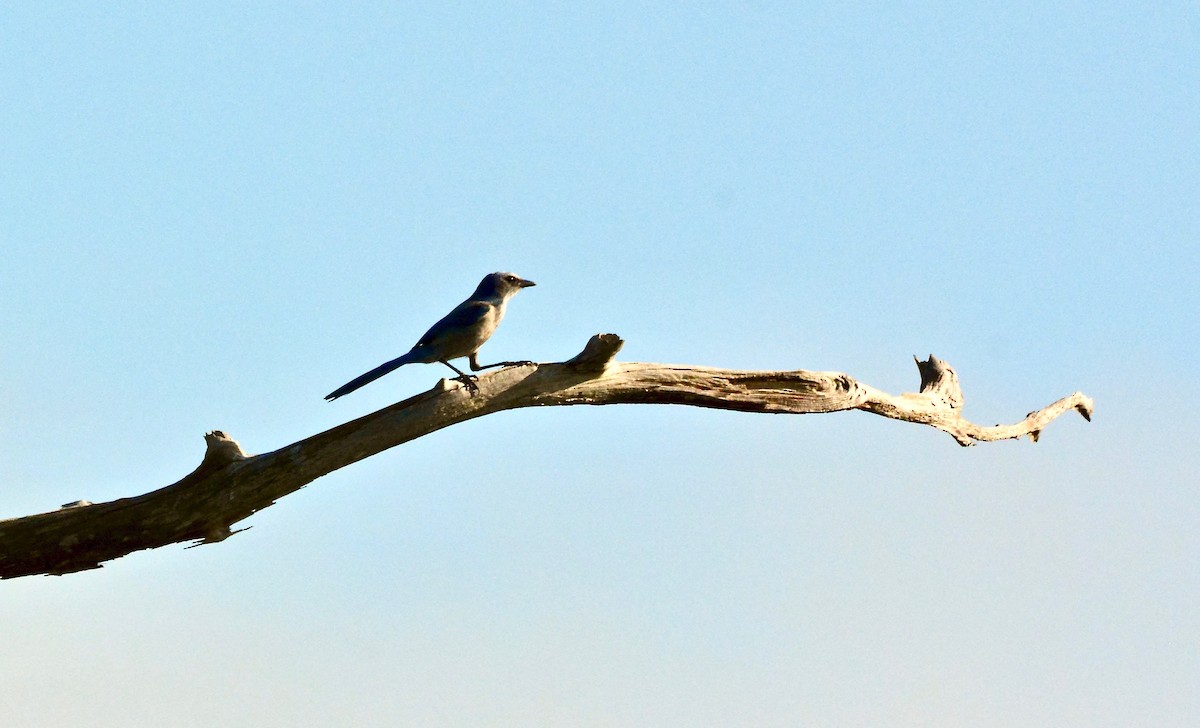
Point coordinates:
[[216, 534], [597, 354], [939, 382], [221, 450]]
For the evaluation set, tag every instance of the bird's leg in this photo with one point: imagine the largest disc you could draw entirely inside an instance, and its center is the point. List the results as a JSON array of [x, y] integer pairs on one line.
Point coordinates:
[[477, 367], [466, 379]]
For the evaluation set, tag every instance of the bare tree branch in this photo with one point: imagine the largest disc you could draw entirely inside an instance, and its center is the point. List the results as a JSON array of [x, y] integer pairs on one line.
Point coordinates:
[[228, 486]]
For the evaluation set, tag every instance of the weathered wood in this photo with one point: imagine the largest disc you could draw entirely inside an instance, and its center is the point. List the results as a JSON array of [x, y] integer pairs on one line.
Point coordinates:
[[229, 486]]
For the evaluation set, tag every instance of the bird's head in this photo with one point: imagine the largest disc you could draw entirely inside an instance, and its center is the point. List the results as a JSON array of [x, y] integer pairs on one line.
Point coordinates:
[[500, 285]]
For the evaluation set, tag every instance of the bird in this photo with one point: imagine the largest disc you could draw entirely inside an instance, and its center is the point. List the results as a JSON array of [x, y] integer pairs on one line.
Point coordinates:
[[459, 333]]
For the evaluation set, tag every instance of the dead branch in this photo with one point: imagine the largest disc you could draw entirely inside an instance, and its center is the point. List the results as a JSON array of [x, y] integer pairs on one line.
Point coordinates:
[[229, 486]]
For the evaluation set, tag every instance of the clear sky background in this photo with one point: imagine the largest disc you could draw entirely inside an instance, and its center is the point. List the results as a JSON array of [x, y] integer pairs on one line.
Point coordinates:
[[213, 214]]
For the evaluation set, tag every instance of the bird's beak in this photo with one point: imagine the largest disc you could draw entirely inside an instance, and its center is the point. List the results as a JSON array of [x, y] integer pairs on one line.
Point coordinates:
[[526, 284]]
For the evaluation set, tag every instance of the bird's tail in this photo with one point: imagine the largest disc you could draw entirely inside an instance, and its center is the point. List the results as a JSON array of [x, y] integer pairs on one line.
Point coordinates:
[[369, 377]]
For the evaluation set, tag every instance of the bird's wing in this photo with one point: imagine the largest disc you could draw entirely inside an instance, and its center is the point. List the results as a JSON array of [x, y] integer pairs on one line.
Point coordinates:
[[465, 315]]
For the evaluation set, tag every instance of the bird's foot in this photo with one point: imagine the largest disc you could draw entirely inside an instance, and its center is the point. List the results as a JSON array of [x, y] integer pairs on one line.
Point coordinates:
[[468, 381]]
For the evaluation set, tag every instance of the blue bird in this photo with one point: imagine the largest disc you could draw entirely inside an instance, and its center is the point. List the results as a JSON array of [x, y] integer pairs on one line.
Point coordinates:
[[459, 334]]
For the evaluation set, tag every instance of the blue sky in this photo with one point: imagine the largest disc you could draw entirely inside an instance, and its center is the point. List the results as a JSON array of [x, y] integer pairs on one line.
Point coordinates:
[[213, 214]]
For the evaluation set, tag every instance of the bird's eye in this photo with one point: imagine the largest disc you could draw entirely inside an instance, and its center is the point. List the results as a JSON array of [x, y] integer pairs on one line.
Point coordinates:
[[510, 279]]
